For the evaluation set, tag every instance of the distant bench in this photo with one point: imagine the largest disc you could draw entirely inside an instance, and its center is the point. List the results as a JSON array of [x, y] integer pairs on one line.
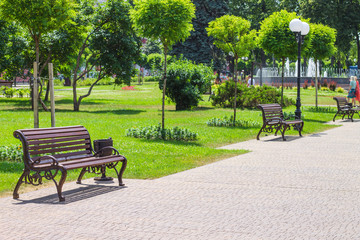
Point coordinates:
[[345, 109], [6, 83], [273, 119], [50, 150]]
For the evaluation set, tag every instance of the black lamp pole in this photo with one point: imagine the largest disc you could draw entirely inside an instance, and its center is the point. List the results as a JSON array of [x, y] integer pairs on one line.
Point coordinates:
[[298, 100]]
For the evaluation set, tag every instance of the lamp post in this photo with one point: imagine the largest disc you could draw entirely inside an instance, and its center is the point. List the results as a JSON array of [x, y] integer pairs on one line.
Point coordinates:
[[300, 29]]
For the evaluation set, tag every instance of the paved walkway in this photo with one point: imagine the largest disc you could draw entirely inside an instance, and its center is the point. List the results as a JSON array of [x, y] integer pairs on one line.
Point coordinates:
[[304, 188]]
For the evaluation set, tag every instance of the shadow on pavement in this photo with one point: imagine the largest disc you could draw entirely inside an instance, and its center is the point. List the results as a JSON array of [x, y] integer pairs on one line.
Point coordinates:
[[279, 139], [74, 195]]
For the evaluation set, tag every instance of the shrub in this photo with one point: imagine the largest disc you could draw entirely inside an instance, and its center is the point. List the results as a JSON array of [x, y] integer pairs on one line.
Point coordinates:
[[156, 132], [229, 122], [332, 85], [306, 84], [321, 109], [11, 153], [312, 84], [324, 89], [325, 83], [340, 90], [90, 81], [23, 91], [247, 97], [186, 82]]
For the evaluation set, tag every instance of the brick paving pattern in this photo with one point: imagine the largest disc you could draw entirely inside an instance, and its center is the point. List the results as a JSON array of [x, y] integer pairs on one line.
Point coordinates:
[[304, 188]]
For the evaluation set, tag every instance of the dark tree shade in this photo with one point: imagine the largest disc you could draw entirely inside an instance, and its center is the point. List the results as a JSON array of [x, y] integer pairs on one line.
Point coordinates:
[[199, 47]]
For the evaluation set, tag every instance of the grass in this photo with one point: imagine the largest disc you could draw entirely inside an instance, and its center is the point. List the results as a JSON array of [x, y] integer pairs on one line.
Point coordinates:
[[109, 111]]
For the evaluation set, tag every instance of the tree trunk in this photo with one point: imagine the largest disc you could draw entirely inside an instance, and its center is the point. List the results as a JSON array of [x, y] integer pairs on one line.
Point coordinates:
[[316, 85], [358, 47], [282, 82], [164, 88], [236, 83]]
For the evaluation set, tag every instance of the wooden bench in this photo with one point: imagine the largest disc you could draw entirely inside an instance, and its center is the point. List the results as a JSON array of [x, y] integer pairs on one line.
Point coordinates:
[[6, 83], [48, 151], [273, 119], [345, 109]]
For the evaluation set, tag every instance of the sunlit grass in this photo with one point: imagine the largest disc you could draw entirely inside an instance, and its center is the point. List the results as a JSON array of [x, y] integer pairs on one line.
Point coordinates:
[[108, 112]]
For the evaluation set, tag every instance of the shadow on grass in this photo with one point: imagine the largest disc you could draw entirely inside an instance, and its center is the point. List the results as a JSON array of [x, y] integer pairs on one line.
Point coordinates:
[[315, 120], [83, 192]]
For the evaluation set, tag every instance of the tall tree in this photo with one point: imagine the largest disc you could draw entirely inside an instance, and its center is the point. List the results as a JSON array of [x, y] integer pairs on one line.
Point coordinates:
[[342, 15], [38, 16], [276, 38], [232, 34], [167, 20], [322, 46], [199, 46], [111, 44]]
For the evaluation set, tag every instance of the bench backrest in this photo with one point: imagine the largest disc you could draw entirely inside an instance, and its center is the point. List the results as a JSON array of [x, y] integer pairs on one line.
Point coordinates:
[[341, 102], [60, 142], [271, 112]]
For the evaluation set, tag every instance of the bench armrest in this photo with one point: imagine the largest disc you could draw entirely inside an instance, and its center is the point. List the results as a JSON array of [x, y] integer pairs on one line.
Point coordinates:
[[54, 161], [98, 153]]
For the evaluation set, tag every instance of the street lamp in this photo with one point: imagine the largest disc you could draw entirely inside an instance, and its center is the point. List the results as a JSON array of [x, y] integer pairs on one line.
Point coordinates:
[[300, 29]]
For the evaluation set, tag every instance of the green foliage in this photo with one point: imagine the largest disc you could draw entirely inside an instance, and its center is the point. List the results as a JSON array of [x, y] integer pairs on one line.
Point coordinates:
[[320, 109], [232, 34], [116, 43], [156, 132], [11, 153], [186, 82], [90, 81], [275, 36], [322, 42], [340, 90], [199, 46], [167, 20], [247, 97], [10, 92], [229, 122]]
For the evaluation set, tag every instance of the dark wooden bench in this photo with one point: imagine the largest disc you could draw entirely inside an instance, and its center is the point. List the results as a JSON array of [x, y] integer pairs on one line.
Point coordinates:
[[48, 151], [345, 109], [6, 83], [273, 119]]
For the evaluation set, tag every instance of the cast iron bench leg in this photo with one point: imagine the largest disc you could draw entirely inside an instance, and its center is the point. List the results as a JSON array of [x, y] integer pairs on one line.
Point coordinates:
[[258, 136], [83, 171], [123, 166], [15, 193], [61, 183]]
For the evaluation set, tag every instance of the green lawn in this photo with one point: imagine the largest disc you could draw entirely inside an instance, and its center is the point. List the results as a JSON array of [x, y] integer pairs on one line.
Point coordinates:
[[108, 112]]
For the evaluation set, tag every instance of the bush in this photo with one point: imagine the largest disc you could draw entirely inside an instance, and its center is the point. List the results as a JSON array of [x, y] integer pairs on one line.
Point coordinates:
[[186, 82], [332, 85], [156, 132], [229, 122], [340, 90], [10, 92], [325, 83], [90, 81], [11, 153], [325, 89], [306, 84], [247, 97]]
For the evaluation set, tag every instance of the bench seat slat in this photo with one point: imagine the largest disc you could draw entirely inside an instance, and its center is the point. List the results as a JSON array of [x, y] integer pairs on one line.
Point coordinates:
[[50, 131], [55, 145], [53, 150], [57, 135], [55, 140]]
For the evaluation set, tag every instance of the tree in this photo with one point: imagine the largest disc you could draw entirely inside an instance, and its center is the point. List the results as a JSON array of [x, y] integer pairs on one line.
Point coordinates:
[[232, 34], [344, 18], [322, 46], [38, 16], [199, 46], [167, 20], [275, 37], [111, 44]]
